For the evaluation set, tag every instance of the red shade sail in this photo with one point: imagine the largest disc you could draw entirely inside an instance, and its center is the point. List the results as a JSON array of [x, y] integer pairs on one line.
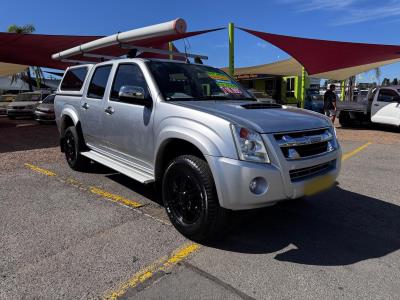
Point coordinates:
[[36, 49], [321, 56]]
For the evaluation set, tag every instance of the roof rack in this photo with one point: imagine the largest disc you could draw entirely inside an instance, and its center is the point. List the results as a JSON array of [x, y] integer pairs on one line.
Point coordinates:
[[125, 40]]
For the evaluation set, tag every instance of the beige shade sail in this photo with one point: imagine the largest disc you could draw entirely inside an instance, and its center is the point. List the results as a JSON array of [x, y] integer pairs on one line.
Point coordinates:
[[345, 73], [291, 67], [287, 67], [10, 69]]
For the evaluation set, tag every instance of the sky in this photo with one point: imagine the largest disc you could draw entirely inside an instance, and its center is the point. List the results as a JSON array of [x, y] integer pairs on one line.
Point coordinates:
[[365, 21]]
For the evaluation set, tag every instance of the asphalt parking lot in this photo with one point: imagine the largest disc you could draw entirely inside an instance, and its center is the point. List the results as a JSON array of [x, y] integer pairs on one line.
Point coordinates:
[[100, 234]]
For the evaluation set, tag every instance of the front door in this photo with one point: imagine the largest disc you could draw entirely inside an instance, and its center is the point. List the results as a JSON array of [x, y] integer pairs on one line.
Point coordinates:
[[92, 106], [386, 108], [128, 125]]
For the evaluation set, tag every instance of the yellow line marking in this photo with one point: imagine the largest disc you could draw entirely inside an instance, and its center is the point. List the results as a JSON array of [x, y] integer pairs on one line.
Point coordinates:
[[94, 190], [162, 264], [40, 170], [350, 154], [114, 197]]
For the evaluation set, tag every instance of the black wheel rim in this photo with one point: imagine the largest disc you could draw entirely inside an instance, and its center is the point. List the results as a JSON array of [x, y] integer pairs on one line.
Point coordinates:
[[185, 197], [70, 149]]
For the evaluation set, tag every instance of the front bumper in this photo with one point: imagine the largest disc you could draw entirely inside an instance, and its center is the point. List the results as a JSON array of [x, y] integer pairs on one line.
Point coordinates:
[[44, 116], [232, 179], [21, 112]]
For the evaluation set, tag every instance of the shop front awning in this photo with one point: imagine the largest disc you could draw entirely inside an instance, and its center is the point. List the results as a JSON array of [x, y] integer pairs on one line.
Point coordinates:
[[330, 59], [10, 69]]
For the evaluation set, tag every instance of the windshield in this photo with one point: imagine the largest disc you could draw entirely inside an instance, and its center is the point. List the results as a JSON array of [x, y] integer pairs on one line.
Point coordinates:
[[180, 81], [49, 99], [28, 97]]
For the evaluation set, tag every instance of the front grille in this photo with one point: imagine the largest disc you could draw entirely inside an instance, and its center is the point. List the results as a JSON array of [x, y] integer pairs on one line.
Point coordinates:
[[298, 145], [305, 173]]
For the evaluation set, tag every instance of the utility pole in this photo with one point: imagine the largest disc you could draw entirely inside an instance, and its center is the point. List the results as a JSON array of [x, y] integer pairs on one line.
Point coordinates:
[[231, 32]]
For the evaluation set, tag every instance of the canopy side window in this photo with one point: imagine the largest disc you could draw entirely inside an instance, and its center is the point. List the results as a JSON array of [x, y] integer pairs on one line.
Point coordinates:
[[74, 79]]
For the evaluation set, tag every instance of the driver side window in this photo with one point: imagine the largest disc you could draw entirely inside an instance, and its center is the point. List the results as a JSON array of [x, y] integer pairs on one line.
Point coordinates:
[[386, 95], [127, 75]]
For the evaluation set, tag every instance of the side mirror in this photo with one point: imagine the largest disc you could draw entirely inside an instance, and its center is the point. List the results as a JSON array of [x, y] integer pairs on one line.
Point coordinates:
[[134, 94]]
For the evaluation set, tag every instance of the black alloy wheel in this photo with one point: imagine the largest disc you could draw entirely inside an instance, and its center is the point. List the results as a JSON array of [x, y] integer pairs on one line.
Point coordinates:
[[186, 196], [191, 200], [72, 149]]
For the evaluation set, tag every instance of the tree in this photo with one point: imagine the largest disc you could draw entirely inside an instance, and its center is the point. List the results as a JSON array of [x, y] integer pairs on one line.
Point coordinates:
[[378, 74], [385, 82], [26, 29], [395, 82]]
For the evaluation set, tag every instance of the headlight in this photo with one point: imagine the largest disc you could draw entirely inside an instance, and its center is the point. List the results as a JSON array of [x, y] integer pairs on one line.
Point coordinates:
[[249, 145]]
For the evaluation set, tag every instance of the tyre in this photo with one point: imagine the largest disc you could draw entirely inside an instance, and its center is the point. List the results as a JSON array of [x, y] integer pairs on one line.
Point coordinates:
[[344, 119], [72, 149], [191, 200]]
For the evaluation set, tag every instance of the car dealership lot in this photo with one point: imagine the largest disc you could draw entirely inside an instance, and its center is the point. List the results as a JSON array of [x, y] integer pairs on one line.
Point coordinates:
[[66, 234]]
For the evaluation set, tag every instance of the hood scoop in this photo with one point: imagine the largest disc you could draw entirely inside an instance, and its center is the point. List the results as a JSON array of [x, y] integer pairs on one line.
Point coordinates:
[[260, 105]]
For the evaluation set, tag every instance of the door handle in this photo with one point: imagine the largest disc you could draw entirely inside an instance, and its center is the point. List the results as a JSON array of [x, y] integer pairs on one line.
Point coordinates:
[[85, 105], [376, 104], [109, 110]]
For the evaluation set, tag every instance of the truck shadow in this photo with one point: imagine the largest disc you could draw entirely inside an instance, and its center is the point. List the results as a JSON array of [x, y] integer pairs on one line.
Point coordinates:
[[335, 228], [332, 229]]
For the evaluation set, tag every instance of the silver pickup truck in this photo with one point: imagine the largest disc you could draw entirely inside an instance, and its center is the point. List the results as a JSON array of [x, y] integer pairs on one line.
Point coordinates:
[[191, 129]]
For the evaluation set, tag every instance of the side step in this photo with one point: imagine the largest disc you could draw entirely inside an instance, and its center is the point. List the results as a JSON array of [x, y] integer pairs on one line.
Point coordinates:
[[129, 171]]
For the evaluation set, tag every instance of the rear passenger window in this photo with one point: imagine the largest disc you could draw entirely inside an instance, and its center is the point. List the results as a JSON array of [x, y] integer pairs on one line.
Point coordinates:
[[98, 82], [73, 79], [127, 74]]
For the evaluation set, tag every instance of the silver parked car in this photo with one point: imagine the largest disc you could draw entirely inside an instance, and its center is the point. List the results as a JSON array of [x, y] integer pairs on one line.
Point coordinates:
[[45, 110], [5, 100], [25, 104]]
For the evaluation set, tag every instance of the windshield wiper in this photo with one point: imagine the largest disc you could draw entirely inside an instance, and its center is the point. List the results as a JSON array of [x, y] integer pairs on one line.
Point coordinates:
[[214, 97]]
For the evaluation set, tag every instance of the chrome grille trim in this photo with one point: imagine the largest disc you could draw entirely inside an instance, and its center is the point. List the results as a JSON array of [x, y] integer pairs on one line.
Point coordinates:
[[298, 145]]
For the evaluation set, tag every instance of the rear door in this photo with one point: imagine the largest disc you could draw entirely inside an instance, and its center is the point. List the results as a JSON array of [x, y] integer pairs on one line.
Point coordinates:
[[92, 106], [385, 108], [128, 125]]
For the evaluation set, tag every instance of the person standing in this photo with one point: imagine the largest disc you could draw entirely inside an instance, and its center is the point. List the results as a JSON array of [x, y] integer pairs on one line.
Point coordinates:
[[330, 103]]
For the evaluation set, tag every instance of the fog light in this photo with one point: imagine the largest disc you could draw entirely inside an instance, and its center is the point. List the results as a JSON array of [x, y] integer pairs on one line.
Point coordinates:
[[258, 186]]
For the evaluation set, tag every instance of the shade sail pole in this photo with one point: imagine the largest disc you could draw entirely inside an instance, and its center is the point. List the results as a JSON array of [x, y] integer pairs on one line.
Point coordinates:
[[231, 32], [303, 87], [170, 48], [343, 90]]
